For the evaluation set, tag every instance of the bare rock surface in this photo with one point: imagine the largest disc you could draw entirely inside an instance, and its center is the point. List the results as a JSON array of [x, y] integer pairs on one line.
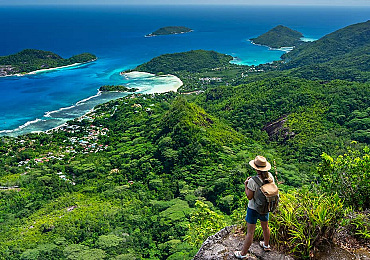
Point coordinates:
[[222, 245], [278, 130]]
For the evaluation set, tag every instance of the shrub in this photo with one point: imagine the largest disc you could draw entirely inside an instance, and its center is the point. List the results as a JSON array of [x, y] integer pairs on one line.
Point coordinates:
[[359, 225], [349, 176], [304, 220], [203, 223]]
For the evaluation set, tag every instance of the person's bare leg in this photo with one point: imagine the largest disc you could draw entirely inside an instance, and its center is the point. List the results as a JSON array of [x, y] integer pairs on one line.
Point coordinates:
[[266, 232], [248, 238]]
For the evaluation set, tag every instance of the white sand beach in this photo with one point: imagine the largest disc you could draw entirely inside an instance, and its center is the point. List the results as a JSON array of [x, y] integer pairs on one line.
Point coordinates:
[[150, 83], [48, 70], [52, 120]]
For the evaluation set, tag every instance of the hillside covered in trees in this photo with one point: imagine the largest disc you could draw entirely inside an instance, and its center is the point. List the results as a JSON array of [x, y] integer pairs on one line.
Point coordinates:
[[342, 54], [192, 61], [152, 176], [31, 60], [279, 36]]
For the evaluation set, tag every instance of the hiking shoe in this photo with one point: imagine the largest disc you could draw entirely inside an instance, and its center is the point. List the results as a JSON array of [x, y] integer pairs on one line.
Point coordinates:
[[238, 254], [265, 248]]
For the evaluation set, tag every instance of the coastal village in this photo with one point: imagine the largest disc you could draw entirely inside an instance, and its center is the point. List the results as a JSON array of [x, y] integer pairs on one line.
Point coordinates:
[[6, 70], [83, 137], [86, 144]]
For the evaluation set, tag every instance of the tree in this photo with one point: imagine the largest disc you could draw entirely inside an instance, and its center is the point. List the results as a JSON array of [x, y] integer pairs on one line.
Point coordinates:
[[349, 176]]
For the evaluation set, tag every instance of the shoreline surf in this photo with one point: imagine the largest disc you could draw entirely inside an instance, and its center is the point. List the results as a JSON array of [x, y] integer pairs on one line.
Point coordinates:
[[78, 64], [137, 74], [173, 84], [284, 49]]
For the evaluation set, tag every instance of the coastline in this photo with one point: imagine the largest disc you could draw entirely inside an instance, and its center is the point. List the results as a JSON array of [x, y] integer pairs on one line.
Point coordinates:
[[133, 74], [285, 49], [137, 74], [173, 84], [65, 124], [20, 127], [154, 35], [48, 70], [48, 114]]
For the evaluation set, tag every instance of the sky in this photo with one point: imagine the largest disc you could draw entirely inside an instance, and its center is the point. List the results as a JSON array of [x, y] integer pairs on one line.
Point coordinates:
[[189, 2]]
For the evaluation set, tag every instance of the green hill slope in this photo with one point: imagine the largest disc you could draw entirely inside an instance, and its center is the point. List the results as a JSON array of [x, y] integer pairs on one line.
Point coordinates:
[[352, 39], [279, 36], [308, 111], [191, 61], [130, 178], [151, 176], [31, 60], [343, 54]]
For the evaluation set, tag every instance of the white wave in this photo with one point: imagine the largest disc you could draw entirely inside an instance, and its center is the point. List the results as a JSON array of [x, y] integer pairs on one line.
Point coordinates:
[[49, 113], [304, 39], [87, 99], [150, 84], [22, 126]]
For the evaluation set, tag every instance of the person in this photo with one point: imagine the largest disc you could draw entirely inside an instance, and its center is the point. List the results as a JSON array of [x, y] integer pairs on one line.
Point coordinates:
[[262, 166]]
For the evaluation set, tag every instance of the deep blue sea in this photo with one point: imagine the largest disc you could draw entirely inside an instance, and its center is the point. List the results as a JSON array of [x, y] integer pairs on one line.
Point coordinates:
[[116, 35]]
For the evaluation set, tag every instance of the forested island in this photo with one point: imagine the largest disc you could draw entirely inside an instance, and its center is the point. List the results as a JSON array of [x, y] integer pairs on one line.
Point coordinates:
[[278, 37], [169, 30], [31, 60], [119, 88], [152, 176], [191, 61]]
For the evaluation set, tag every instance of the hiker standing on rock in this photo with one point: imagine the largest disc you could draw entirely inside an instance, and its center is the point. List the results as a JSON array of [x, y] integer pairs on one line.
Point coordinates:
[[252, 184]]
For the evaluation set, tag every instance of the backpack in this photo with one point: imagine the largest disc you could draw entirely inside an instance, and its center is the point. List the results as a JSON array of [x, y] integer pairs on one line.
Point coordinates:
[[266, 197]]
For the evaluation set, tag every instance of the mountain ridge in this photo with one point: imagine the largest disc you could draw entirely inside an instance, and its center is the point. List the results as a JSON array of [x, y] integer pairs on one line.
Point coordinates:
[[348, 47]]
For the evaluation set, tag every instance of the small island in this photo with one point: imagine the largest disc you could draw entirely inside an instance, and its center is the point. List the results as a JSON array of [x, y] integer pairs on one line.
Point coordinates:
[[31, 60], [190, 61], [117, 88], [169, 30], [278, 37]]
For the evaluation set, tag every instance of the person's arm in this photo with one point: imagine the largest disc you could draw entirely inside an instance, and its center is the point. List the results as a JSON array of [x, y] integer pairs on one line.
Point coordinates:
[[248, 192]]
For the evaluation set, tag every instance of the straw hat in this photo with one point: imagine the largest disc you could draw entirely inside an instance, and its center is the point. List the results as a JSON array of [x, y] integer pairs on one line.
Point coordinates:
[[260, 163]]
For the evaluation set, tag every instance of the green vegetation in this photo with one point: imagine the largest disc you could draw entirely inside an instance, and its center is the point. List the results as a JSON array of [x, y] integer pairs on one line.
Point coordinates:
[[358, 224], [31, 60], [119, 88], [151, 183], [203, 221], [191, 61], [348, 176], [279, 36], [304, 221], [170, 30], [151, 176], [343, 54], [197, 69]]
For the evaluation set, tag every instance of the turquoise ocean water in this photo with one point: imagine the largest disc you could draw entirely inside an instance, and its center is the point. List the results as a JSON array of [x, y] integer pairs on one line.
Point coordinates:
[[116, 35]]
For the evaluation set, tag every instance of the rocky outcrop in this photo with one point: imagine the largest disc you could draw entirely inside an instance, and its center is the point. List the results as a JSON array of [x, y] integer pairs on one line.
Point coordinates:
[[278, 130], [6, 70], [221, 246]]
